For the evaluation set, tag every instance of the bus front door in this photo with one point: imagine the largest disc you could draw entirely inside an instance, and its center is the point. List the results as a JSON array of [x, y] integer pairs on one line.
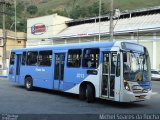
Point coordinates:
[[59, 71], [108, 74], [18, 66]]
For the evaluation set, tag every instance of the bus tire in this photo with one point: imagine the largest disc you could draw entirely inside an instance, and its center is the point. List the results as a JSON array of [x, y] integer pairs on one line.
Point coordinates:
[[90, 95], [29, 83], [82, 94]]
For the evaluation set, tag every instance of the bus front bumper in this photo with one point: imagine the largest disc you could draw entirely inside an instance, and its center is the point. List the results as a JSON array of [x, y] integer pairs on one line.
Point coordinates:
[[128, 96]]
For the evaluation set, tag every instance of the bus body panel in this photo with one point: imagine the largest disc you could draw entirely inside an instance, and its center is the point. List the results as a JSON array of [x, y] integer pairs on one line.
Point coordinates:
[[75, 76], [79, 75], [94, 79]]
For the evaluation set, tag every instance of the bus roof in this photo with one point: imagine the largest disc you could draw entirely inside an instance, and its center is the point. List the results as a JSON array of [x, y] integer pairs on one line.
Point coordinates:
[[107, 45], [70, 46]]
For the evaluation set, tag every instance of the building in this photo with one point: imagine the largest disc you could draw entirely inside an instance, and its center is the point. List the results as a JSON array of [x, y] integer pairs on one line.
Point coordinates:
[[11, 43], [141, 26], [41, 28]]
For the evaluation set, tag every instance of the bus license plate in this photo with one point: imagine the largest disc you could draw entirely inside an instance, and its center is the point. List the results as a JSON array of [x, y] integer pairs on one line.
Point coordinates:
[[141, 97]]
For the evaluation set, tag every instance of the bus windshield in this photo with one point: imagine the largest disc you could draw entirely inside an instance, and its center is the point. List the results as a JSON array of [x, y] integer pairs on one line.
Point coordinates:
[[136, 66]]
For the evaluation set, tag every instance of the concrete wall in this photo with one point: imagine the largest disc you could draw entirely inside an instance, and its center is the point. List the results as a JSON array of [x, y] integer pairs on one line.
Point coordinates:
[[11, 43]]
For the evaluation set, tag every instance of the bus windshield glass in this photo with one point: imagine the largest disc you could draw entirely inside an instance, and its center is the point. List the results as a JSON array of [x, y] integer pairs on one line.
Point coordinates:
[[136, 66]]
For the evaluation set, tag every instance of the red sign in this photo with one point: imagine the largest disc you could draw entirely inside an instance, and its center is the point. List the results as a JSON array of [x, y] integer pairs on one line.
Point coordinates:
[[38, 29]]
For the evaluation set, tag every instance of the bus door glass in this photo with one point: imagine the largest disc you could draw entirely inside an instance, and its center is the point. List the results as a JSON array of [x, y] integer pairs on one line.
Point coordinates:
[[108, 74], [18, 66], [59, 70], [12, 66]]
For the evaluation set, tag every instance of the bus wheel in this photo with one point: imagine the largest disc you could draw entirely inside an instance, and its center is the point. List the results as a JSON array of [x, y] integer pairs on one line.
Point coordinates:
[[82, 94], [29, 83], [90, 93]]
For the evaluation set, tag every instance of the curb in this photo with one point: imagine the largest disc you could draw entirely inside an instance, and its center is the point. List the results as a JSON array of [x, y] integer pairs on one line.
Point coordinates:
[[3, 76]]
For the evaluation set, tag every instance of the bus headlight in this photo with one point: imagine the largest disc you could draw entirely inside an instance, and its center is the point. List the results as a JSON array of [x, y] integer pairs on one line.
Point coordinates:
[[126, 85]]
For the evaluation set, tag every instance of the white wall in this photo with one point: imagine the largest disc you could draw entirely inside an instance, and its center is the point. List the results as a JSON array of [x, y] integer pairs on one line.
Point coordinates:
[[53, 23]]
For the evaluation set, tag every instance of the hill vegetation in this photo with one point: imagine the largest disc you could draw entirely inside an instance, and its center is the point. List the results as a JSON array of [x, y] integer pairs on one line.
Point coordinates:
[[70, 8]]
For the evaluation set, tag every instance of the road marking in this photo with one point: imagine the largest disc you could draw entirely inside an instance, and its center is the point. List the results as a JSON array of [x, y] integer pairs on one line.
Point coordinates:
[[154, 93]]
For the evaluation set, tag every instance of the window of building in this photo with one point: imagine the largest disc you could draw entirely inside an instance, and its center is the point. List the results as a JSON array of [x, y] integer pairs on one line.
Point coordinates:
[[74, 58], [12, 58], [45, 58], [24, 58], [91, 58], [19, 42], [32, 58]]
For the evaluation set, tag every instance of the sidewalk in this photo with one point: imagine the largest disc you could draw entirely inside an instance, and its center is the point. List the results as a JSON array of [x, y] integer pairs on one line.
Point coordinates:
[[3, 78], [3, 74]]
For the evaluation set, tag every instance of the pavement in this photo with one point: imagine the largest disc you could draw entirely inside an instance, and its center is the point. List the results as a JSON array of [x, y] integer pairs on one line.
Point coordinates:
[[15, 99]]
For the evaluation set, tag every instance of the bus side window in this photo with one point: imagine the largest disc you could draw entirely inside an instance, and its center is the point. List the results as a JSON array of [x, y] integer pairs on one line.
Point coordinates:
[[24, 58], [91, 58], [74, 58], [12, 58], [45, 58], [32, 58], [124, 57]]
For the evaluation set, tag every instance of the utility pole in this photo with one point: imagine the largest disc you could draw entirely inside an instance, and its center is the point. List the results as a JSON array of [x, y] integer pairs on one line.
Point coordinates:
[[15, 16], [111, 20], [4, 4], [100, 20]]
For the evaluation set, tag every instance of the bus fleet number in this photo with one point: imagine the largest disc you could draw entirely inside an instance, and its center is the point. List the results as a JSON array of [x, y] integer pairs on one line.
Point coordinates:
[[79, 75]]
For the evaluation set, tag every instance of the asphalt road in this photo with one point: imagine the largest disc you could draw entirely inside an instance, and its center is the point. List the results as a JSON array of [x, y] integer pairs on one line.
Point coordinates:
[[16, 99]]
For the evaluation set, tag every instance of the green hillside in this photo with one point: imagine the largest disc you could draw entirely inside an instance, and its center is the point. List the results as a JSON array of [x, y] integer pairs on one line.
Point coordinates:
[[51, 6], [70, 8], [54, 5]]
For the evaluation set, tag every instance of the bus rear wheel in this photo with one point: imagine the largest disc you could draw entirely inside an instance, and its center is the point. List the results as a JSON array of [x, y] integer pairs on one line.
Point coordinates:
[[29, 83], [90, 94]]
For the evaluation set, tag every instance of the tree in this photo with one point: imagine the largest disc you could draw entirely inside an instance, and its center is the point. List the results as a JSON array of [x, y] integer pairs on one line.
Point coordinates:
[[76, 12], [22, 26], [20, 8], [50, 12], [32, 9]]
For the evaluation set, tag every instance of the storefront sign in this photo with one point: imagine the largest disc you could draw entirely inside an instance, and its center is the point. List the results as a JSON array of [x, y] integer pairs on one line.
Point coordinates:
[[38, 29]]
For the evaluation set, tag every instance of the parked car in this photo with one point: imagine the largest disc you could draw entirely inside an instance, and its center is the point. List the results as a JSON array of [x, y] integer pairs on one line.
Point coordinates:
[[155, 75]]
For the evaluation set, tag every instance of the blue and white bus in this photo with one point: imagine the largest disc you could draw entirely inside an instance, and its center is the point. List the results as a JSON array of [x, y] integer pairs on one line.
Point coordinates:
[[118, 71]]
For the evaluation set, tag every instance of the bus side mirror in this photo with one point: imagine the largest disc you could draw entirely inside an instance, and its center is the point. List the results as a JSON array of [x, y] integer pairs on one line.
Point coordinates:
[[124, 57]]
